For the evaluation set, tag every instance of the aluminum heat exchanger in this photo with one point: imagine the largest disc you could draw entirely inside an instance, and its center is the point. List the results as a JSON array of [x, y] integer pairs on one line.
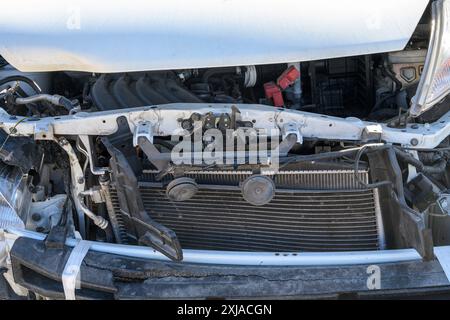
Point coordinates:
[[310, 211]]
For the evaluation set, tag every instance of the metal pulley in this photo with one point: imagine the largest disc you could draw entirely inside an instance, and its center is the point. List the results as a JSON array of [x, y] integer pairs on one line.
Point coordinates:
[[258, 190], [181, 189]]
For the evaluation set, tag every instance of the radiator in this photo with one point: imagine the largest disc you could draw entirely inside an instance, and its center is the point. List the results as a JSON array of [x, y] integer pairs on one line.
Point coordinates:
[[311, 211]]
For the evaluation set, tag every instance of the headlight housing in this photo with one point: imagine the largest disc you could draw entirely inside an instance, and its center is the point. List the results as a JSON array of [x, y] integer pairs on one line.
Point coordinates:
[[435, 82], [15, 198]]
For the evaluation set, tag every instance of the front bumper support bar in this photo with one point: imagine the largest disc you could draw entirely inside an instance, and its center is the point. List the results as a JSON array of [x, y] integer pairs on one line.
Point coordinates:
[[111, 276]]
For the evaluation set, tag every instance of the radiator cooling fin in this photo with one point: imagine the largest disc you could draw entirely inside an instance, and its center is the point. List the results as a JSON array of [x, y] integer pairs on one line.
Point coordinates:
[[309, 211]]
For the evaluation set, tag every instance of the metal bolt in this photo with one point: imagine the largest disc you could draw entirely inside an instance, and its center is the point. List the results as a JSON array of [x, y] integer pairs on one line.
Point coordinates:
[[62, 141], [414, 142], [187, 124], [36, 217], [80, 180], [103, 178]]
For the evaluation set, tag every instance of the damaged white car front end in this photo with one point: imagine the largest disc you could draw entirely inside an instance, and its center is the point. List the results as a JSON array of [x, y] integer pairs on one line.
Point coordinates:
[[233, 141]]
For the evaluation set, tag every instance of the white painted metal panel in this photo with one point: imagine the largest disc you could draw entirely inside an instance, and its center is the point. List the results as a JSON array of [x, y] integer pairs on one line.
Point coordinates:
[[131, 35], [240, 258]]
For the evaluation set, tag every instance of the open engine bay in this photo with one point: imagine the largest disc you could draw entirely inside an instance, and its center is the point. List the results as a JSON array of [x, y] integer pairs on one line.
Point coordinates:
[[350, 163]]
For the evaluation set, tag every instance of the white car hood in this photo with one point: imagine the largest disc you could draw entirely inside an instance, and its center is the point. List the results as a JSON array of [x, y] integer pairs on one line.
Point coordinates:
[[126, 35]]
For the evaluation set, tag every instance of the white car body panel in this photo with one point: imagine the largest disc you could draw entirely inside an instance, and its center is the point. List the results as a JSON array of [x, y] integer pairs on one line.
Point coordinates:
[[120, 36]]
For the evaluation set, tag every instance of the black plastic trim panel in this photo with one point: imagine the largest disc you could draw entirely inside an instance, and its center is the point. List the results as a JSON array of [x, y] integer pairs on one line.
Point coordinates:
[[108, 276]]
